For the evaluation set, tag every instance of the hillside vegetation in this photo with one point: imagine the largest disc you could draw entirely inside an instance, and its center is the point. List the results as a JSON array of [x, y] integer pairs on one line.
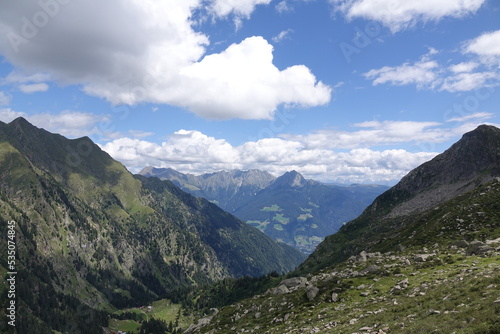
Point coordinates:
[[92, 238], [422, 258]]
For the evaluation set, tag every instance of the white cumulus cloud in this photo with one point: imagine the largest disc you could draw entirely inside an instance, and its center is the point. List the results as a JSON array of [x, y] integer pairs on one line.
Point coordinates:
[[129, 52], [375, 133], [402, 14], [420, 73], [68, 123], [428, 73], [283, 7], [463, 67], [242, 82], [486, 46], [237, 7], [467, 81], [479, 116], [7, 115], [285, 34], [194, 152], [326, 155]]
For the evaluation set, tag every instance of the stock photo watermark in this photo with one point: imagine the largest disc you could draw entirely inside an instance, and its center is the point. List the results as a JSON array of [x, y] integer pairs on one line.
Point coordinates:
[[362, 39], [281, 120], [469, 105], [11, 273], [372, 30], [31, 26]]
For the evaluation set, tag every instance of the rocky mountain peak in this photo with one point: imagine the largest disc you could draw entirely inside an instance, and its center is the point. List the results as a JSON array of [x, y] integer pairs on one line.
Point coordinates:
[[293, 179], [159, 172], [429, 203], [473, 160]]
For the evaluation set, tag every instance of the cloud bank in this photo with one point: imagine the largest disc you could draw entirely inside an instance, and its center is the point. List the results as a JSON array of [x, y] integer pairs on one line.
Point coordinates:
[[329, 155], [130, 52], [403, 14], [481, 70], [326, 155]]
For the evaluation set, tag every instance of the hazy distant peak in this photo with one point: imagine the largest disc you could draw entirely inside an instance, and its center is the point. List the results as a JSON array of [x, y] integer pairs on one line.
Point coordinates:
[[292, 179]]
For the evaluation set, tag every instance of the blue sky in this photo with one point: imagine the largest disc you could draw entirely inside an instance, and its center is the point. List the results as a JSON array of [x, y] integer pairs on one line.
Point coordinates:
[[340, 90]]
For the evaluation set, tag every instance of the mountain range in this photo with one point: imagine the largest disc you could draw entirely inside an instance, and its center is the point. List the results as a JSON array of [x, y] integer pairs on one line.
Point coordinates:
[[422, 258], [91, 237], [289, 208], [406, 213], [94, 244]]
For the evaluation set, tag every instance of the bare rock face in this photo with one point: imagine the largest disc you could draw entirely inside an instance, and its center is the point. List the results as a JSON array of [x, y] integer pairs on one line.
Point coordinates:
[[452, 173]]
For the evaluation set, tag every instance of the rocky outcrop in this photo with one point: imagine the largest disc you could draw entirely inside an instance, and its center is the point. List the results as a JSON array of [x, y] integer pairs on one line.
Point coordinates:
[[294, 283], [477, 247], [311, 292]]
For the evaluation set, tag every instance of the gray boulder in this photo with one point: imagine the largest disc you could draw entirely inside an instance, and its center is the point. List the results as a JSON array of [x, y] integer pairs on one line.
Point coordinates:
[[294, 282], [478, 248], [461, 244], [372, 269], [311, 292], [422, 257], [279, 290]]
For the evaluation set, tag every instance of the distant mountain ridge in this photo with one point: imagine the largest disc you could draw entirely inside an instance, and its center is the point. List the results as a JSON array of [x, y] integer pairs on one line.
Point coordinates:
[[288, 208], [91, 237], [422, 258], [411, 204], [226, 189]]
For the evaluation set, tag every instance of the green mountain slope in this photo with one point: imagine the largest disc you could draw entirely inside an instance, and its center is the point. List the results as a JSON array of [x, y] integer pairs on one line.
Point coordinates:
[[404, 209], [91, 237], [302, 212], [227, 189], [437, 282], [289, 208], [433, 269]]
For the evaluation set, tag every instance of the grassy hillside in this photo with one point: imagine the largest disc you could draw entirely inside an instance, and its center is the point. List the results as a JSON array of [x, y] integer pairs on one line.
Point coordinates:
[[391, 293], [440, 275], [92, 238], [428, 267]]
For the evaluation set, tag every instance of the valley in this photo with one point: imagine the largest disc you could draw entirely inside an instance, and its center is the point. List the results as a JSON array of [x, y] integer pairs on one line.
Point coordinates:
[[107, 251], [288, 208], [249, 167]]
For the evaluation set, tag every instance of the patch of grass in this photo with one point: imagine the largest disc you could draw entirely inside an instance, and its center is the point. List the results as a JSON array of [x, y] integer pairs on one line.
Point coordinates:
[[303, 217], [272, 208], [162, 309], [279, 218], [278, 227], [129, 326]]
